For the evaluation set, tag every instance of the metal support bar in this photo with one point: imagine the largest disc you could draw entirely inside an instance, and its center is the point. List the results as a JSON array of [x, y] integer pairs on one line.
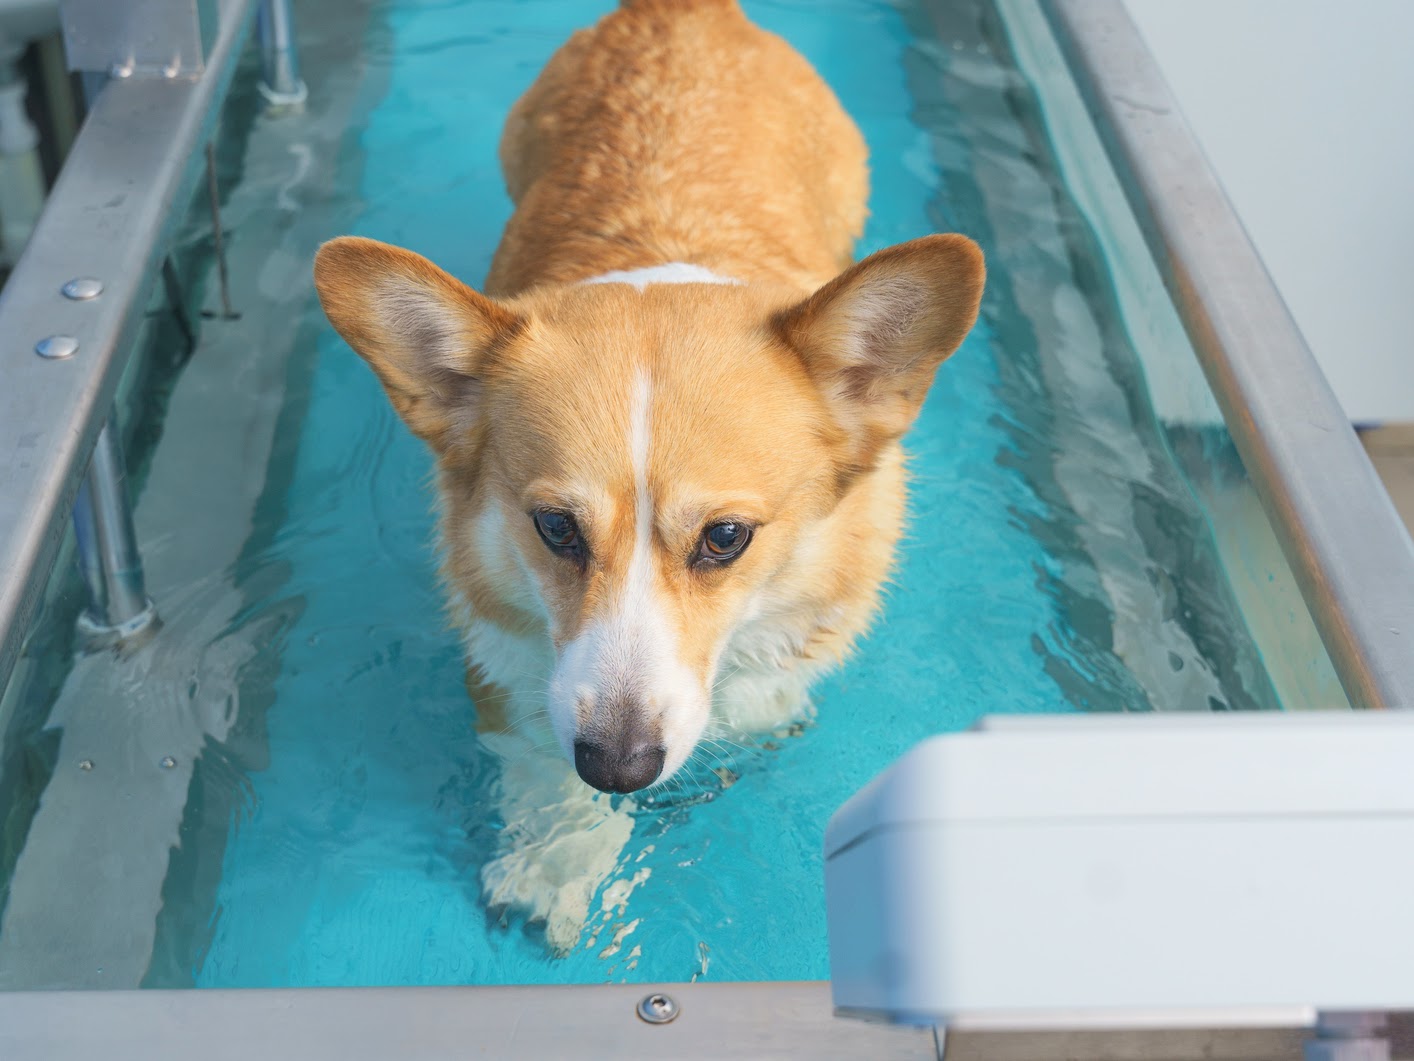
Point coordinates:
[[1350, 551], [280, 83], [119, 607], [218, 235]]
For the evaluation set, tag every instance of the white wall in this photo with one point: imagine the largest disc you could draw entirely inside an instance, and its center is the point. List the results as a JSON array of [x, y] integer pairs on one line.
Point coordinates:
[[1306, 110]]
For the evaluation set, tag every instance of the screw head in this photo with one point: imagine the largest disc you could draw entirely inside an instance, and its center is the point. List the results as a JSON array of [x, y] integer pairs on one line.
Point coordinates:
[[657, 1009], [85, 765], [168, 762], [82, 288], [57, 347]]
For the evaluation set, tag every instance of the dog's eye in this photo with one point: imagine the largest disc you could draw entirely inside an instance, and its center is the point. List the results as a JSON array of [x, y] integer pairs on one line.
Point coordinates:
[[558, 529], [724, 541]]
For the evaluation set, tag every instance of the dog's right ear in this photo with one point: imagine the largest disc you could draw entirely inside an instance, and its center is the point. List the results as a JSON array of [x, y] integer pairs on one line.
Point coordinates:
[[424, 332]]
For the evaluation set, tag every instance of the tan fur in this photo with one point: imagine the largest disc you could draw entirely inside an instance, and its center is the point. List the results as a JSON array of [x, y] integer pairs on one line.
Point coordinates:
[[679, 131], [673, 131]]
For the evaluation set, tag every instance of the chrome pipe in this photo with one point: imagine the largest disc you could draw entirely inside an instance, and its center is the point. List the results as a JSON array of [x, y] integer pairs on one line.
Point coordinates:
[[119, 607], [280, 83]]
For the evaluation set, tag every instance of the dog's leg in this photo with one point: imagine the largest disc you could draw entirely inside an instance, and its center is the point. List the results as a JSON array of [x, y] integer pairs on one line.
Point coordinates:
[[562, 840], [765, 696]]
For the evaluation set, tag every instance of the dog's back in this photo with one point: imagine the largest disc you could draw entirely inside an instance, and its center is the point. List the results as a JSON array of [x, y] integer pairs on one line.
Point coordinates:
[[676, 130]]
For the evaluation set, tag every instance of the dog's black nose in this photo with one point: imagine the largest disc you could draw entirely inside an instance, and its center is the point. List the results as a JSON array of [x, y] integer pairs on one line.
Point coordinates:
[[623, 769]]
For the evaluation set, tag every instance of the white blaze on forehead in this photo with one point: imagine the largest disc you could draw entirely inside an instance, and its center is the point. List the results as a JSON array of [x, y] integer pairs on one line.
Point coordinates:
[[623, 670], [669, 273], [638, 452]]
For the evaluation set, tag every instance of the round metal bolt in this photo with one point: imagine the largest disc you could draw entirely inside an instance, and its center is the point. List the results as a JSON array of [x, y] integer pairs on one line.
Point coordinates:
[[168, 762], [85, 764], [657, 1009], [57, 347], [82, 288]]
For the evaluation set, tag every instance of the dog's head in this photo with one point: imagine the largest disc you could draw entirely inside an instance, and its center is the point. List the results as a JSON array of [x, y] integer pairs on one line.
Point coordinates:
[[639, 474]]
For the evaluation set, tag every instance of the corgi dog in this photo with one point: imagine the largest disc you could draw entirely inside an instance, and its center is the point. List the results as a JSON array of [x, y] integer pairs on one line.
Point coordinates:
[[667, 432]]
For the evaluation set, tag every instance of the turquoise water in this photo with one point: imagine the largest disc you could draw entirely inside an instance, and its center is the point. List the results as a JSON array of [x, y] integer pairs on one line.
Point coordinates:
[[1056, 560]]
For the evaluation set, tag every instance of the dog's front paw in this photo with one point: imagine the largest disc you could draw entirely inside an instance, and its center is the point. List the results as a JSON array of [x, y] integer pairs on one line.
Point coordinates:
[[561, 841]]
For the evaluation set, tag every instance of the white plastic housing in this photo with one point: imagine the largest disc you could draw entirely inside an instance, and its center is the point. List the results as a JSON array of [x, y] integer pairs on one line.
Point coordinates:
[[1133, 870]]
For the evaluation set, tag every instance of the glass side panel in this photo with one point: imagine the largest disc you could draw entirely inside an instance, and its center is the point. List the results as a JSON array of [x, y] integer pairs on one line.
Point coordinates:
[[1130, 294], [286, 787]]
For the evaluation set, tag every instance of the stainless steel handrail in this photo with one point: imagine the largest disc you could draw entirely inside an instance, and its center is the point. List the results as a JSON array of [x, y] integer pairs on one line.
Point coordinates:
[[715, 1020], [110, 216], [1351, 553]]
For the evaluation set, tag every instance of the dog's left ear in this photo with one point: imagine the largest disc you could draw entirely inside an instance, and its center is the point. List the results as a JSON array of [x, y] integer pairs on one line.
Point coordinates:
[[425, 333], [873, 337]]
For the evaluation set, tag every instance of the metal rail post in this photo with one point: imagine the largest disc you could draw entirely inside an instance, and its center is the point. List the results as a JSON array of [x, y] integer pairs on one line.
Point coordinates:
[[280, 82], [119, 608]]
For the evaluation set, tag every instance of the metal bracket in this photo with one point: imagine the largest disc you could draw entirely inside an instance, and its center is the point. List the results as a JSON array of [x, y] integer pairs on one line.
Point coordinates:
[[139, 38]]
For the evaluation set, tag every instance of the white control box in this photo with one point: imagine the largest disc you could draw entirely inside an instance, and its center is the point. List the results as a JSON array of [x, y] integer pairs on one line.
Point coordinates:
[[1131, 871]]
